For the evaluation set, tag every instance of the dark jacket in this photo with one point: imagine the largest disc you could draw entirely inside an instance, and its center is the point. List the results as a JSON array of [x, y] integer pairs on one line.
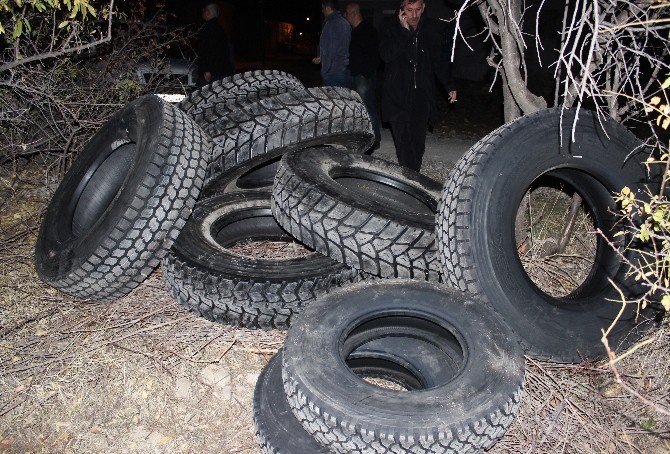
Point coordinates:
[[334, 44], [364, 50], [413, 60], [214, 51]]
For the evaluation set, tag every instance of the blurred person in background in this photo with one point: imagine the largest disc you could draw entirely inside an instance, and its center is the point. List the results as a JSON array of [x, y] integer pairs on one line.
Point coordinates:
[[214, 56], [334, 46], [363, 62]]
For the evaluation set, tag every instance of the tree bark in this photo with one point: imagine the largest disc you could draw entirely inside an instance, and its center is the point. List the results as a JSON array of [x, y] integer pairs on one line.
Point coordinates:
[[518, 99]]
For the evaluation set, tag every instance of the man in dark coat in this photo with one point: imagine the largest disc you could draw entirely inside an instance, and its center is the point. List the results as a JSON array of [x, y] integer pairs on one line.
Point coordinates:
[[334, 47], [415, 51], [214, 59], [363, 61]]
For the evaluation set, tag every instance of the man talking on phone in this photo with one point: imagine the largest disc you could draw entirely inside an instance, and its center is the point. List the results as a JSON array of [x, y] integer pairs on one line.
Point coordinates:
[[414, 48]]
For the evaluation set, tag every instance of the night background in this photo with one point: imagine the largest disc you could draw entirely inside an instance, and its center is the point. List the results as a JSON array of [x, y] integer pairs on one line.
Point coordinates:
[[284, 35]]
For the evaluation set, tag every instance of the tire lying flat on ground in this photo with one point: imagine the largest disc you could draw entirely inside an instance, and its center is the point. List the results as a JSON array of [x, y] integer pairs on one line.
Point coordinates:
[[366, 212], [265, 130], [204, 275], [476, 219], [395, 357], [233, 92], [465, 412], [277, 430], [123, 201]]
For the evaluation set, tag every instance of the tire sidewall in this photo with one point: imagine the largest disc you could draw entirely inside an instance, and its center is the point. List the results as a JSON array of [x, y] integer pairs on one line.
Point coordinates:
[[197, 248], [493, 363], [59, 251], [500, 187], [317, 166]]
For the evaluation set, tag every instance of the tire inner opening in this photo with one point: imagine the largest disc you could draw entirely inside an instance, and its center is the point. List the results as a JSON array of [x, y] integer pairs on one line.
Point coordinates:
[[554, 232], [261, 176], [410, 351], [384, 373], [254, 232], [100, 186], [386, 191]]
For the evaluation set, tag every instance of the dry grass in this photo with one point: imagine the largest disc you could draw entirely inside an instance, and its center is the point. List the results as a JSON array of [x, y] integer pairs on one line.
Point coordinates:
[[141, 374], [270, 249], [556, 273]]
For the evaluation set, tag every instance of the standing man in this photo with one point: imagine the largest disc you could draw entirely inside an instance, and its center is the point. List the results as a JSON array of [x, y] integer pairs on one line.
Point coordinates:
[[363, 61], [415, 50], [334, 46], [214, 59]]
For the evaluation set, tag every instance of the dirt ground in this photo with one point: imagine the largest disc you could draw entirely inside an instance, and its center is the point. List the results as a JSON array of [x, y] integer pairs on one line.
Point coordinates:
[[141, 374]]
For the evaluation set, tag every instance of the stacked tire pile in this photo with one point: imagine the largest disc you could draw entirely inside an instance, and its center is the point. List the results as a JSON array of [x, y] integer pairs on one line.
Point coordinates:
[[388, 353]]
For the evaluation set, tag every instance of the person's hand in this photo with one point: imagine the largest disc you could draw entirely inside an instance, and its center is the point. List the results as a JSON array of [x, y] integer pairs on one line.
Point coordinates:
[[402, 17], [207, 75], [452, 96], [316, 60]]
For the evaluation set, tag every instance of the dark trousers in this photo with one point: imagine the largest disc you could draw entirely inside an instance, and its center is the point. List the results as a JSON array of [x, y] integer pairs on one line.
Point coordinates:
[[409, 138], [365, 87], [342, 79]]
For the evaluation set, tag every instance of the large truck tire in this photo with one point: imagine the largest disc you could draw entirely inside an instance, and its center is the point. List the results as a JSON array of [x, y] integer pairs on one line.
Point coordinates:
[[123, 202]]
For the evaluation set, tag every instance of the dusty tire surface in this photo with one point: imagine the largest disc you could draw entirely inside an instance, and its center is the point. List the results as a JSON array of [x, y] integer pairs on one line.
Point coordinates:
[[277, 430], [466, 412], [203, 274], [257, 174], [123, 202], [267, 129], [475, 227], [233, 92], [394, 356], [366, 212]]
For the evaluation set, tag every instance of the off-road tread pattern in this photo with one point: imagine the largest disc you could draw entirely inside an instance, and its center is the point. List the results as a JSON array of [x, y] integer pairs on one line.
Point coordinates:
[[150, 224], [365, 240], [263, 442], [266, 437], [342, 433], [311, 116], [246, 302], [235, 91], [454, 210], [453, 222]]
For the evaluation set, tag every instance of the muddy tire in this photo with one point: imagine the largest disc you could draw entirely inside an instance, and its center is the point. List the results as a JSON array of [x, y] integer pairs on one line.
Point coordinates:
[[123, 201], [265, 130], [476, 227], [203, 274], [462, 413], [223, 96], [366, 212]]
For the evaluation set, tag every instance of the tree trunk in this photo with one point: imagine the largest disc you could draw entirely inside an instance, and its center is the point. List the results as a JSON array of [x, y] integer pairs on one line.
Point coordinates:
[[504, 20], [510, 106]]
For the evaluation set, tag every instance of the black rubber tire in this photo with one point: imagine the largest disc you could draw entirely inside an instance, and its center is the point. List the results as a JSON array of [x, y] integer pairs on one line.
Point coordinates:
[[205, 276], [257, 174], [366, 212], [465, 413], [277, 430], [230, 93], [403, 360], [475, 226], [123, 202], [289, 121]]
